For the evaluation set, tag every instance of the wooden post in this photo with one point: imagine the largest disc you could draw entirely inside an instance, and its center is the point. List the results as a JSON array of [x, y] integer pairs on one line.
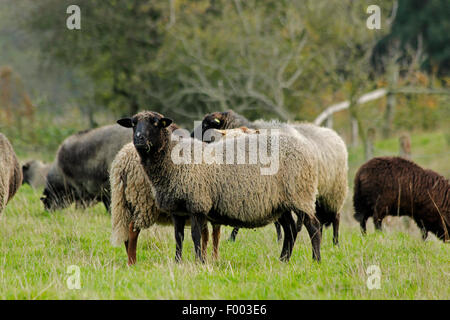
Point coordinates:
[[391, 101], [369, 144], [329, 121], [405, 146], [354, 135]]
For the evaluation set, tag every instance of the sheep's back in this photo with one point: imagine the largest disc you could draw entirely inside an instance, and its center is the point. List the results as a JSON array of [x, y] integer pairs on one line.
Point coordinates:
[[85, 158]]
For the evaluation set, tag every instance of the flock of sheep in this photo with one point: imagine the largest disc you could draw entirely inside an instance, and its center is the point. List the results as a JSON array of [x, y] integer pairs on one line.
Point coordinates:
[[129, 167]]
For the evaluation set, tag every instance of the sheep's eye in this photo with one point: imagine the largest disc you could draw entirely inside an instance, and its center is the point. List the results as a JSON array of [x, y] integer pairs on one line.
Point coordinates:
[[217, 120], [134, 122]]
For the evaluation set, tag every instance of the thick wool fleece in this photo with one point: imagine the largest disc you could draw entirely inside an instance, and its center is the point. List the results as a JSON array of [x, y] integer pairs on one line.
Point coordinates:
[[331, 154], [396, 186], [131, 196], [235, 194], [10, 172]]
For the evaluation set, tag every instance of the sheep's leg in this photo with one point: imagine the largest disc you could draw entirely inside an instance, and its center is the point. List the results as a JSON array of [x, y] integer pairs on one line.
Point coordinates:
[[336, 230], [424, 234], [377, 223], [216, 238], [179, 223], [197, 222], [205, 239], [363, 225], [107, 202], [132, 244], [233, 235], [278, 228], [290, 234], [313, 227]]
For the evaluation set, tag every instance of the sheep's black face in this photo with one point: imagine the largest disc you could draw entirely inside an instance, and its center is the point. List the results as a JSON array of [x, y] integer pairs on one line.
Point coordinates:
[[214, 120], [26, 173], [54, 199], [147, 130]]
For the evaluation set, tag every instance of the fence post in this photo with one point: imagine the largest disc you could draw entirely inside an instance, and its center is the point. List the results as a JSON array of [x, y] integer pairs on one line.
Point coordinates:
[[354, 133], [329, 121], [369, 143], [405, 146]]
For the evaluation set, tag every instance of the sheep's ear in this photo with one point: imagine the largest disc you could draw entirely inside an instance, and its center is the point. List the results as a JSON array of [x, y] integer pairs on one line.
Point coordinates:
[[125, 122], [164, 122]]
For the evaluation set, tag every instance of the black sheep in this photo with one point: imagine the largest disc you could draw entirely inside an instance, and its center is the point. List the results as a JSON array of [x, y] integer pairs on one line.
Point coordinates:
[[396, 186]]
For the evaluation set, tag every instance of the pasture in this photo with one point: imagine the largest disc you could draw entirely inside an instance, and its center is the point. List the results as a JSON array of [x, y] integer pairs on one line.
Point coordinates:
[[37, 248]]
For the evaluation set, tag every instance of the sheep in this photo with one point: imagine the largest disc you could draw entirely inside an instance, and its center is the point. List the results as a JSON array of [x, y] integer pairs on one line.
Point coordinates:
[[397, 186], [35, 173], [332, 161], [10, 173], [133, 207], [83, 161], [230, 194]]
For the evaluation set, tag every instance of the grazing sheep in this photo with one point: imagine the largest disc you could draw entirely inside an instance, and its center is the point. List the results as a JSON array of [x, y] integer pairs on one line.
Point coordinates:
[[35, 173], [83, 161], [58, 193], [396, 186], [231, 194], [10, 173], [133, 207], [332, 161]]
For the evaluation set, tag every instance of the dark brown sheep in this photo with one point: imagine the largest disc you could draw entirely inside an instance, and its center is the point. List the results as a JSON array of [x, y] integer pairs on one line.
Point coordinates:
[[396, 186]]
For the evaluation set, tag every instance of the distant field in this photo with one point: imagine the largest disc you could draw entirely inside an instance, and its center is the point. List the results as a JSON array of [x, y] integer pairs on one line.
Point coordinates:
[[37, 248]]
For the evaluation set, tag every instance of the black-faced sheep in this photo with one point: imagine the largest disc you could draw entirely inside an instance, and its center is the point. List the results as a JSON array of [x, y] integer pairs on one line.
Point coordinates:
[[133, 207], [10, 172], [231, 194], [396, 186], [82, 165], [35, 173], [331, 154]]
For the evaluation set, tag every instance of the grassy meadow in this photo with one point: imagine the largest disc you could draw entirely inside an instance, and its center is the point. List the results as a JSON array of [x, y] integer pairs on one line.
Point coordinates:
[[37, 247]]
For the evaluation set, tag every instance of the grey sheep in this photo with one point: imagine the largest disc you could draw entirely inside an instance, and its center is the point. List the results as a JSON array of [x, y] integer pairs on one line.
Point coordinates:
[[133, 207], [332, 161], [82, 166], [10, 172], [229, 194], [35, 173]]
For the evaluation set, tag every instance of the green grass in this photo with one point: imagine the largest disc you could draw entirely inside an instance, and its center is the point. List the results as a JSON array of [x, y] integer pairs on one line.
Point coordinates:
[[37, 247]]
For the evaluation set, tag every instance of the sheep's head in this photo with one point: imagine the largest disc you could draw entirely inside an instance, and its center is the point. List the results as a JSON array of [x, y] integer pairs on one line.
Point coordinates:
[[215, 120], [148, 128], [57, 194], [26, 172]]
